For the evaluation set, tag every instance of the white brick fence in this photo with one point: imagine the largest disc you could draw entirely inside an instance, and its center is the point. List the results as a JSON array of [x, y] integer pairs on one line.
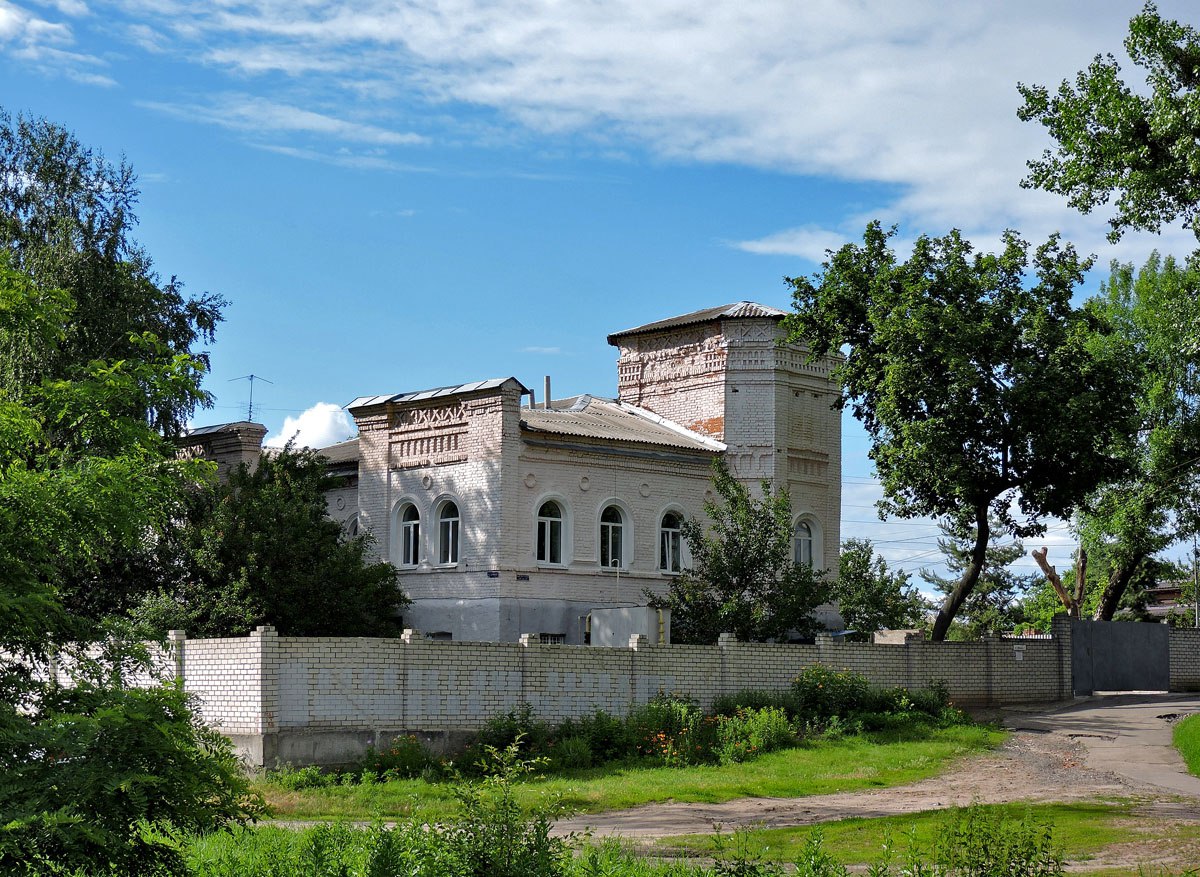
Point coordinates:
[[323, 700]]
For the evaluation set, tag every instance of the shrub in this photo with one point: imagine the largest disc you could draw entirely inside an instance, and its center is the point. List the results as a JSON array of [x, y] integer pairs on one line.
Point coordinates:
[[672, 730], [608, 737], [570, 753], [514, 728], [493, 836], [822, 693], [750, 732], [755, 698], [297, 778], [976, 840], [502, 731], [406, 758]]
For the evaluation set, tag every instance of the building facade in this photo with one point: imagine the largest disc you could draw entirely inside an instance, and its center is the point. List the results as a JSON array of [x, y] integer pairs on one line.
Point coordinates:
[[507, 516]]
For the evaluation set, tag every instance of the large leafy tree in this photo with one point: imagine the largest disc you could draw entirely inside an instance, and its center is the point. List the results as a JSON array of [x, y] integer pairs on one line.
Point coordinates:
[[870, 596], [986, 394], [994, 604], [1140, 143], [96, 775], [260, 549], [1129, 519], [743, 579], [66, 219]]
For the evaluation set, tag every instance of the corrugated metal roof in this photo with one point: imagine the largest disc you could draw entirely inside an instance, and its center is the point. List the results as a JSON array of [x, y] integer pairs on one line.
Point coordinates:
[[589, 417], [342, 452], [737, 310], [222, 427], [436, 392]]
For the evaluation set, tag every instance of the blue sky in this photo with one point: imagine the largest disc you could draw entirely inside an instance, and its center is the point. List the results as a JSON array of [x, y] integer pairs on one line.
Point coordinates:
[[399, 195]]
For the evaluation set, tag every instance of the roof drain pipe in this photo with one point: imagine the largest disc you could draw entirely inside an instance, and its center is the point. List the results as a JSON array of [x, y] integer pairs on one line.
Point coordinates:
[[546, 394]]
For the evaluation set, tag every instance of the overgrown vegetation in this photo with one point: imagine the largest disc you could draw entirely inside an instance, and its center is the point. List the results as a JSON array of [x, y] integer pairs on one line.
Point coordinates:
[[491, 838], [669, 731]]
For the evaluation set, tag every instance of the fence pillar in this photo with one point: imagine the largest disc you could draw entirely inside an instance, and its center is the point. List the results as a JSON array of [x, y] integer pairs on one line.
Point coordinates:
[[177, 639], [264, 642]]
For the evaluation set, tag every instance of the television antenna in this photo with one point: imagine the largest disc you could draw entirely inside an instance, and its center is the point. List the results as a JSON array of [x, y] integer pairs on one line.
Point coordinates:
[[251, 378]]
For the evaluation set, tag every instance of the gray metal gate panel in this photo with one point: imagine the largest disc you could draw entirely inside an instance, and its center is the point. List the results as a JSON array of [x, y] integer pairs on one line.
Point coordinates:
[[1120, 656]]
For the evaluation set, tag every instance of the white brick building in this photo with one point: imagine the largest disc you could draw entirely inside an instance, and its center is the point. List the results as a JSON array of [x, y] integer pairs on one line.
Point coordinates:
[[508, 516]]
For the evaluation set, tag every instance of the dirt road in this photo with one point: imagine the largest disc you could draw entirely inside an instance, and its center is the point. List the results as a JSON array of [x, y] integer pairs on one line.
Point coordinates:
[[1096, 748]]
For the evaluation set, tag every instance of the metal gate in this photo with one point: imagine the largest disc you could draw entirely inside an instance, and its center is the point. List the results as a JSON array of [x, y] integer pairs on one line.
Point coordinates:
[[1120, 656]]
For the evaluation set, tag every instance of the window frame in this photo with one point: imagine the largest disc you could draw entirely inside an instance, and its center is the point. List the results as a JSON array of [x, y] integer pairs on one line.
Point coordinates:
[[449, 533], [548, 523], [802, 542], [408, 535], [674, 535], [622, 530]]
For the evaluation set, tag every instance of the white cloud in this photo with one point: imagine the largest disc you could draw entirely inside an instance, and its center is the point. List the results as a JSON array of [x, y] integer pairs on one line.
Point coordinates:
[[41, 44], [321, 425], [808, 242], [543, 350], [249, 113], [919, 95]]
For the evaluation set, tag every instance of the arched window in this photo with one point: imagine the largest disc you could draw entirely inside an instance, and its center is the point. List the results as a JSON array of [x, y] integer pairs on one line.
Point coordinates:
[[804, 543], [549, 533], [612, 525], [351, 526], [448, 525], [670, 543]]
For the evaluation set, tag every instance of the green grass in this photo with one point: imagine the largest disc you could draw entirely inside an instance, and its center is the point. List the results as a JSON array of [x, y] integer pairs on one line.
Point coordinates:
[[849, 764], [1187, 741], [1080, 828]]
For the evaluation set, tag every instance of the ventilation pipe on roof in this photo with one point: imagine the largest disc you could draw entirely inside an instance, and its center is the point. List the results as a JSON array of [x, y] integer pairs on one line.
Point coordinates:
[[546, 395]]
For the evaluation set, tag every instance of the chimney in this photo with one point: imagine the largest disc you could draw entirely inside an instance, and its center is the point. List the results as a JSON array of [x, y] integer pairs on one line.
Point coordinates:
[[546, 401]]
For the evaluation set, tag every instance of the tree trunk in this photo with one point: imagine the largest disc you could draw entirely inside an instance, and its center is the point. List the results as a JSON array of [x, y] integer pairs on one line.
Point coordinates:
[[1051, 574], [962, 590], [1118, 581], [1080, 580]]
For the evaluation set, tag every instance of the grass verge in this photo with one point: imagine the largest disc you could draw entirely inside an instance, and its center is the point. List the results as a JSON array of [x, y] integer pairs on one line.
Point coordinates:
[[853, 763], [1187, 741], [1080, 828]]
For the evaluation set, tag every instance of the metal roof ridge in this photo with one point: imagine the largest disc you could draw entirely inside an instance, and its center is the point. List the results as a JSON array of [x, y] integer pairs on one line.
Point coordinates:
[[706, 440], [433, 392]]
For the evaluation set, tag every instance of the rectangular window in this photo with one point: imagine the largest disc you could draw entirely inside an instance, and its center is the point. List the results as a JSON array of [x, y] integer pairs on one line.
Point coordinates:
[[410, 538], [448, 543], [549, 548], [670, 551], [552, 639], [610, 545]]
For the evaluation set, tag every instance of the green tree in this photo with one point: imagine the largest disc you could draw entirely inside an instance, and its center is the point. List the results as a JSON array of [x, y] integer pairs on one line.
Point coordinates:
[[1128, 520], [995, 603], [1040, 604], [66, 216], [743, 579], [984, 392], [96, 775], [1143, 145], [260, 549], [871, 597]]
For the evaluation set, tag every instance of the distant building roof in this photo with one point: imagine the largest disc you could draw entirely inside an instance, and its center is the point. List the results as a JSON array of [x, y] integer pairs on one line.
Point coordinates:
[[737, 310], [233, 426], [435, 393], [342, 452], [593, 418]]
